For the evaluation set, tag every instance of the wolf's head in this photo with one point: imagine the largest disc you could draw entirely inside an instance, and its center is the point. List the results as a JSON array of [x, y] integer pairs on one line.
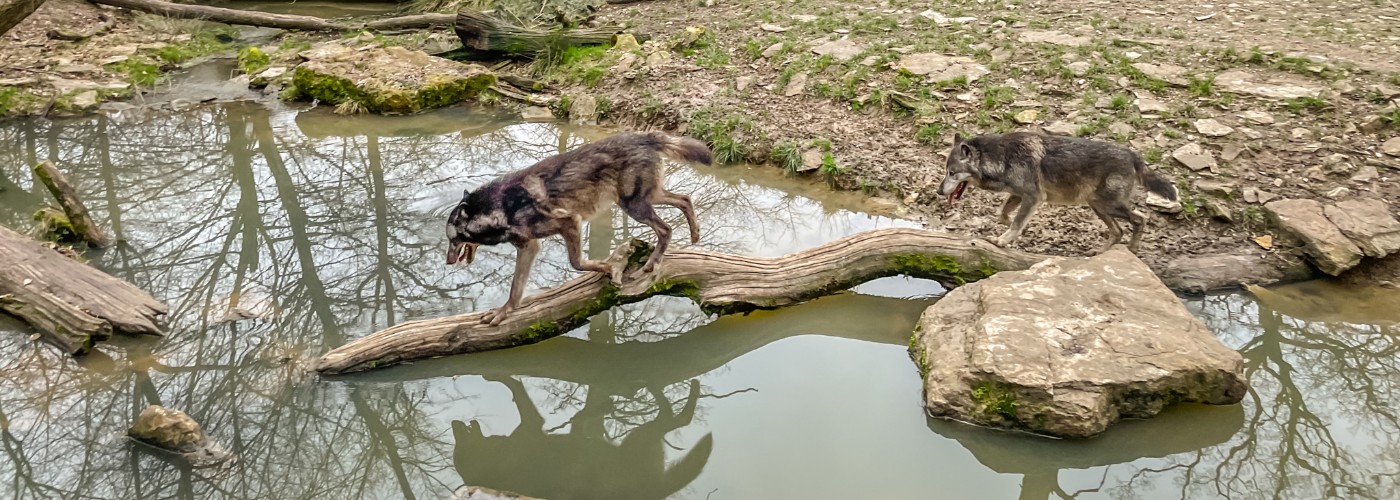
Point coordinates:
[[473, 222], [962, 167]]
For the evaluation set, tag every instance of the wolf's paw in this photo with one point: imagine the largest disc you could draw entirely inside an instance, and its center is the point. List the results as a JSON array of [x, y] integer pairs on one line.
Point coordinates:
[[1004, 240], [495, 316]]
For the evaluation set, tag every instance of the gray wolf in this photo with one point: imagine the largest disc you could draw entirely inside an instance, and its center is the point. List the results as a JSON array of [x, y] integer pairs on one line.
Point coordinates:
[[1037, 168], [556, 194]]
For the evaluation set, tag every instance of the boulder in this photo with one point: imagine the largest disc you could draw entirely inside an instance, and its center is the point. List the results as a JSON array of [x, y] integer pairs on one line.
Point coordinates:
[[388, 80], [1069, 347], [1367, 223], [584, 110], [1331, 250], [174, 431]]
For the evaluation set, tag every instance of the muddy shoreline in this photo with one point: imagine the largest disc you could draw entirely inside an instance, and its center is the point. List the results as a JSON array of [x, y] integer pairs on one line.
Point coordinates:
[[851, 122]]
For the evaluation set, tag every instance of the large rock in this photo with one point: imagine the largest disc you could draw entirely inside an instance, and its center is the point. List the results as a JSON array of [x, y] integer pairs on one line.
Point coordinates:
[[1367, 223], [1068, 347], [938, 67], [389, 80], [174, 431], [1276, 87], [1331, 250]]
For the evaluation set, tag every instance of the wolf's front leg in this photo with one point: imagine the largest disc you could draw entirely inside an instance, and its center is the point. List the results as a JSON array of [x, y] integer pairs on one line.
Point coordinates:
[[1012, 202], [573, 245], [524, 259], [1028, 206]]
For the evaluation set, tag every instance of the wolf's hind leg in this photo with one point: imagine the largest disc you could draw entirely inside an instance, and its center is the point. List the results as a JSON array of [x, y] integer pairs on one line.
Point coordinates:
[[1012, 202], [641, 210], [1115, 232], [1139, 223], [682, 202], [1028, 206]]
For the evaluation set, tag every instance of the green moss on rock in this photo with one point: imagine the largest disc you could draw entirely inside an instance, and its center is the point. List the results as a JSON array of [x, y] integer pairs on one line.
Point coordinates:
[[388, 81], [55, 226], [996, 400]]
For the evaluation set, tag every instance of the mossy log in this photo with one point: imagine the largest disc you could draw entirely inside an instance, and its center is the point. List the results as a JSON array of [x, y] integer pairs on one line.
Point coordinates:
[[493, 37], [73, 305], [719, 283], [78, 218], [283, 21]]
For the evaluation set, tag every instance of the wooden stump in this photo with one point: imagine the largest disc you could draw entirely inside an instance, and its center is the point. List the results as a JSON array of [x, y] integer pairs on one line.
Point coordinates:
[[72, 205], [72, 304], [493, 37], [719, 283]]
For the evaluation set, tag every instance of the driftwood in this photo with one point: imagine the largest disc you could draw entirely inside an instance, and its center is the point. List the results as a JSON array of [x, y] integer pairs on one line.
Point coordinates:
[[490, 35], [73, 305], [73, 207], [13, 12], [283, 21], [719, 283]]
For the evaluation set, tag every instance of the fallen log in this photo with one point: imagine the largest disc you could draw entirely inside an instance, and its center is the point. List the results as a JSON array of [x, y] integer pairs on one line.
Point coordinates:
[[13, 12], [228, 16], [73, 305], [73, 206], [495, 37], [718, 283]]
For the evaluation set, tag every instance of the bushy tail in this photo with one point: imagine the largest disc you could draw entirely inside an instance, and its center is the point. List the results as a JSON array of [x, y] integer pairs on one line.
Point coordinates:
[[1154, 181], [683, 148]]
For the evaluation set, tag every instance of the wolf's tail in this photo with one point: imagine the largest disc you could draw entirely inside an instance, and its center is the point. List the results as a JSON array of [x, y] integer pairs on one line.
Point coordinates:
[[683, 148], [1154, 181]]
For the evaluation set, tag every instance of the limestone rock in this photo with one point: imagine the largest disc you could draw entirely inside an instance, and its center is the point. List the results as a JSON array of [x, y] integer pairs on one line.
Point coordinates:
[[1161, 204], [1026, 116], [796, 85], [1211, 128], [1212, 272], [772, 50], [1279, 87], [1215, 188], [583, 110], [1391, 147], [1170, 73], [1372, 124], [742, 83], [939, 67], [841, 50], [1053, 37], [1331, 250], [1258, 117], [174, 431], [625, 42], [1218, 211], [1069, 347], [1151, 105], [1061, 128], [1079, 68], [1368, 223], [1366, 173], [537, 114], [389, 80], [1194, 157], [85, 100]]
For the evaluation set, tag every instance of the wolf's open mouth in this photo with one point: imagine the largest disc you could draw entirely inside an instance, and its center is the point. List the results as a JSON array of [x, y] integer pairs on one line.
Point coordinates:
[[957, 193]]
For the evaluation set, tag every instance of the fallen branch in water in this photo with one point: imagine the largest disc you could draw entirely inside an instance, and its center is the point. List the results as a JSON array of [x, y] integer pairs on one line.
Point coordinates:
[[719, 283], [73, 305], [73, 206]]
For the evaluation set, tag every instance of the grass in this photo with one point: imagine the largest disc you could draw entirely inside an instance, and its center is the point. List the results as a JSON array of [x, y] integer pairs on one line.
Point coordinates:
[[15, 98], [139, 71], [830, 169], [586, 64], [1301, 104], [995, 97], [928, 133], [251, 60], [724, 133], [200, 44], [1202, 86], [786, 155], [1152, 155]]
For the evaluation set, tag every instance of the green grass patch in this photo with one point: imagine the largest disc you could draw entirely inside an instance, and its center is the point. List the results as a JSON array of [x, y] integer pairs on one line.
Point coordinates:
[[252, 60], [139, 71], [787, 156], [725, 133], [200, 44], [929, 133], [586, 64]]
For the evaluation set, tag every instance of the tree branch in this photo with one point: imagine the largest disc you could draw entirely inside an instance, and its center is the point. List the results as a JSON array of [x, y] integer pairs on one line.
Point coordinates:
[[719, 283]]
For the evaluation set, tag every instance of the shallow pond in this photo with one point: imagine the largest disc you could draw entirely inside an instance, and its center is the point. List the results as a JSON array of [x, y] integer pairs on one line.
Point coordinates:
[[319, 228]]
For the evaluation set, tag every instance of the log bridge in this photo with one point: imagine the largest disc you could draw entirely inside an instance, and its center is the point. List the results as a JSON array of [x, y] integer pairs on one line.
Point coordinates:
[[719, 283]]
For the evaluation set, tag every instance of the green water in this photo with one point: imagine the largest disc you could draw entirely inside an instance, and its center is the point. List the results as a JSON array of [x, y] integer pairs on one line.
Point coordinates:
[[326, 228]]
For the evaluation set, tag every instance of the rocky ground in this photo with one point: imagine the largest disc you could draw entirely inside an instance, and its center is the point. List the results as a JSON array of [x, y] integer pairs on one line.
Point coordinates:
[[1241, 103]]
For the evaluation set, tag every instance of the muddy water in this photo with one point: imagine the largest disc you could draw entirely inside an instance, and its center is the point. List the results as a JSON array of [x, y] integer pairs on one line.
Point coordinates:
[[318, 228]]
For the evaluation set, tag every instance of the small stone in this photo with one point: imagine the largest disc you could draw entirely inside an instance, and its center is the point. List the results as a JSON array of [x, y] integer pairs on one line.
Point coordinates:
[[1210, 127], [1338, 193], [1121, 129], [626, 43], [1161, 204], [1230, 152], [1061, 127], [772, 50], [1217, 211], [938, 67], [1336, 164], [33, 337], [1026, 116], [870, 61], [811, 160], [742, 83], [658, 58], [841, 50], [1221, 189], [1079, 68], [1391, 147], [1150, 105], [1257, 117], [1194, 157], [772, 28], [796, 85], [1132, 56], [1367, 173], [804, 18], [1054, 37], [85, 100], [1301, 134], [536, 114], [174, 431], [1169, 73]]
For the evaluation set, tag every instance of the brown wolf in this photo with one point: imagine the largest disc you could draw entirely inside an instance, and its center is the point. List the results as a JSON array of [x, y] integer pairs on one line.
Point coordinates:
[[556, 194], [1037, 168]]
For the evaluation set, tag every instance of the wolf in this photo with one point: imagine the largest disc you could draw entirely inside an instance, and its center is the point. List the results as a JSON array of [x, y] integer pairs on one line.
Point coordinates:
[[1038, 168], [554, 196]]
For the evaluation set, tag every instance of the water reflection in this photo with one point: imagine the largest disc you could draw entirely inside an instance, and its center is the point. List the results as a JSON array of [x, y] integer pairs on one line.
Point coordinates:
[[275, 234]]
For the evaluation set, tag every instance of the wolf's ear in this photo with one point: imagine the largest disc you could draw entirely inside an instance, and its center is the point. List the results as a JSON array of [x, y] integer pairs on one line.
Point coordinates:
[[964, 149], [957, 138]]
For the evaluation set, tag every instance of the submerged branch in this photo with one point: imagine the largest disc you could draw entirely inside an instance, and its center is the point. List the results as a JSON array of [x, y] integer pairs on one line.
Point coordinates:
[[719, 283]]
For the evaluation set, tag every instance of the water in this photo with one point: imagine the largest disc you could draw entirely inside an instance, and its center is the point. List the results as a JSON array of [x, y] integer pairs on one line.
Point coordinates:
[[326, 228]]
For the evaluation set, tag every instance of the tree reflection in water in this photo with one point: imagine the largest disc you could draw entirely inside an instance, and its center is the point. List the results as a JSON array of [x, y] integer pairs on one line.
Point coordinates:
[[323, 228]]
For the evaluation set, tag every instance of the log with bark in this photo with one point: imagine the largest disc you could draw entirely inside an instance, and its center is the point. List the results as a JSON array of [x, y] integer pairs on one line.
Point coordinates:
[[73, 305], [13, 12], [73, 207], [719, 283], [269, 20], [493, 37]]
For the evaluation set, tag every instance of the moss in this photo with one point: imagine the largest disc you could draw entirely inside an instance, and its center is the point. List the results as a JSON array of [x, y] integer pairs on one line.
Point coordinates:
[[607, 298], [995, 399], [540, 330], [437, 93], [18, 101], [54, 225], [680, 288], [251, 60], [986, 268], [927, 266]]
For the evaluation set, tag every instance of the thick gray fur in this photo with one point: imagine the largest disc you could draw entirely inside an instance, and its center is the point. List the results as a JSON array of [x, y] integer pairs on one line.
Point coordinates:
[[1037, 168]]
